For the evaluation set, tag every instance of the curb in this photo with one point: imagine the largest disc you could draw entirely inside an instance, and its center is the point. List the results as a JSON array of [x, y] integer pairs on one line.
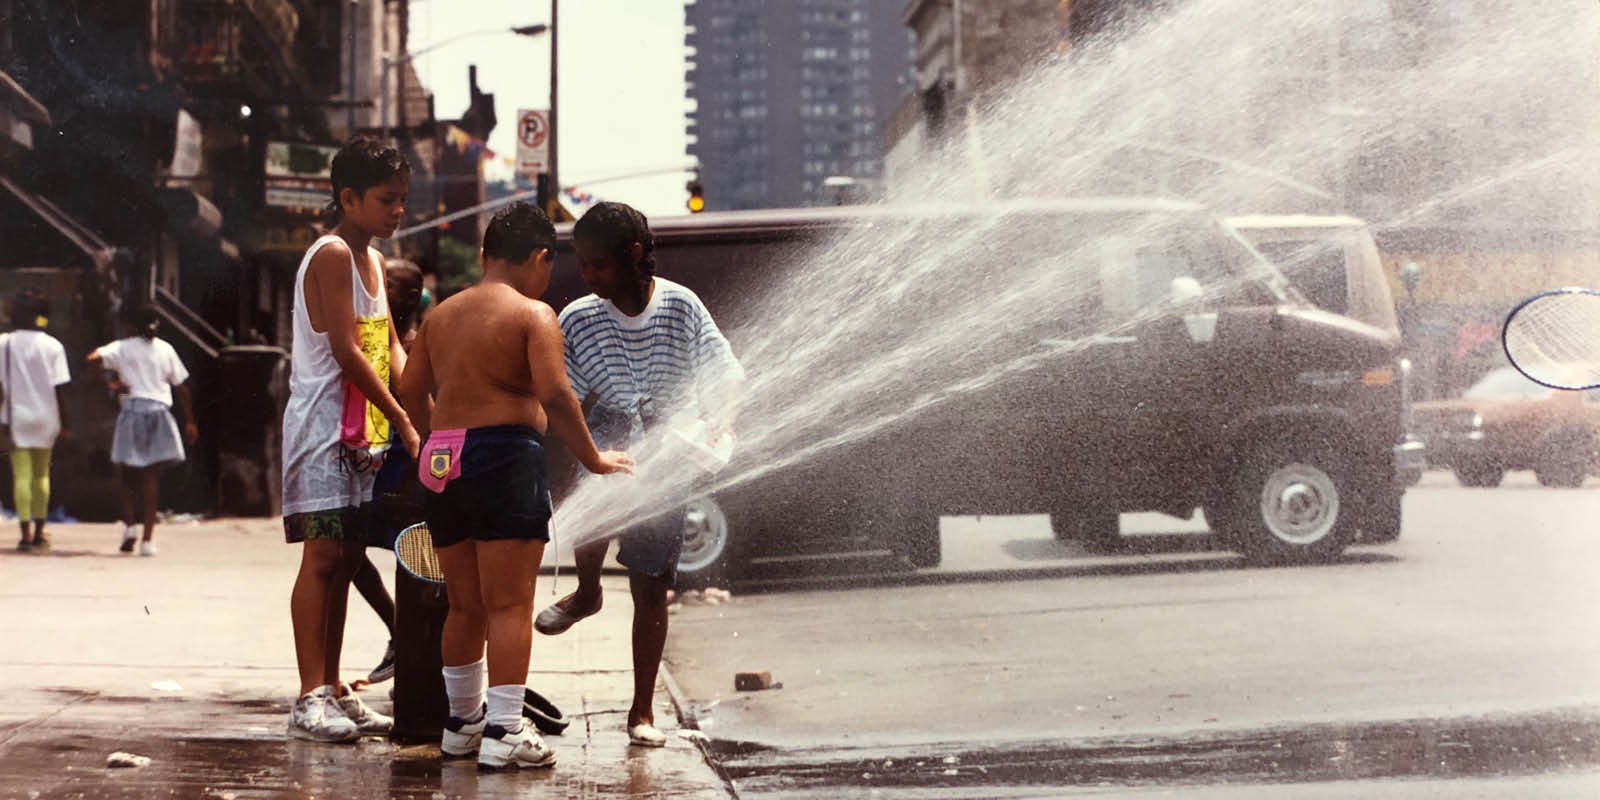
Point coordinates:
[[687, 720]]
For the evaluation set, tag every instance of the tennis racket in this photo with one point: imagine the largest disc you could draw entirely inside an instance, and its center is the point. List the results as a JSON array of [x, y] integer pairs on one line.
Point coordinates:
[[413, 548], [1554, 338]]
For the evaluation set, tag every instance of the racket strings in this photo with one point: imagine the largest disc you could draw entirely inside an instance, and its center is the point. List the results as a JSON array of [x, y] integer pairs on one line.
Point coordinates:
[[1555, 339], [415, 550]]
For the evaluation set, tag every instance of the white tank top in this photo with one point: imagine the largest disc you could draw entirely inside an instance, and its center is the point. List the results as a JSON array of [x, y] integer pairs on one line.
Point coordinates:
[[316, 474]]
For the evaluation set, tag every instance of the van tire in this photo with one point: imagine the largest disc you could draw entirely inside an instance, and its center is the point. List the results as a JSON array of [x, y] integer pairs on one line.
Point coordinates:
[[708, 552], [1094, 528], [1289, 502]]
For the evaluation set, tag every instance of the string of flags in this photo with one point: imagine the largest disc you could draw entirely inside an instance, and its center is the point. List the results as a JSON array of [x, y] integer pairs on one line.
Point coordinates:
[[464, 142]]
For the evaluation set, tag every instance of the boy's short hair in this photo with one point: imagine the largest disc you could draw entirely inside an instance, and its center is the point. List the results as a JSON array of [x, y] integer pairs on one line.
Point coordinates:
[[518, 231], [362, 163]]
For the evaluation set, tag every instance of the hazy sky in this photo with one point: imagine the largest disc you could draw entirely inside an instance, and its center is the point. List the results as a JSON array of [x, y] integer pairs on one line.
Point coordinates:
[[622, 102]]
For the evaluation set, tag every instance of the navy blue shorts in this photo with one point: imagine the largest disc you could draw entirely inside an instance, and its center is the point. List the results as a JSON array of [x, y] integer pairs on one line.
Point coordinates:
[[502, 491], [651, 547]]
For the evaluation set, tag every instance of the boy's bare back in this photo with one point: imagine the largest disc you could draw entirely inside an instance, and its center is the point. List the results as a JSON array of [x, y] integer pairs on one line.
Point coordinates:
[[480, 348]]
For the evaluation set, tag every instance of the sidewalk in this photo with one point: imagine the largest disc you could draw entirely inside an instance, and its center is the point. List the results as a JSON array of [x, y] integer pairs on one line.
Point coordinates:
[[187, 658]]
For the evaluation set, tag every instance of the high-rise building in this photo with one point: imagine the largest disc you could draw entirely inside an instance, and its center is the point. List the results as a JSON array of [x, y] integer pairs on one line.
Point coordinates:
[[790, 94]]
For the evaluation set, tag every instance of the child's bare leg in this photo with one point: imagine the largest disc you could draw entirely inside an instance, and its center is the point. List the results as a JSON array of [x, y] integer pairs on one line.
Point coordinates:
[[150, 479], [588, 598], [649, 641]]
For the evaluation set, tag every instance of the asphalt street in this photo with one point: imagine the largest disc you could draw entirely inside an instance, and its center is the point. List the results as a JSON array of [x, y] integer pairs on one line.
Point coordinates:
[[1463, 655]]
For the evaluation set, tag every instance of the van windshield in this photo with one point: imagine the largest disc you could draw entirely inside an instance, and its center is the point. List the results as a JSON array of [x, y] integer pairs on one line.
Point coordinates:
[[1337, 269]]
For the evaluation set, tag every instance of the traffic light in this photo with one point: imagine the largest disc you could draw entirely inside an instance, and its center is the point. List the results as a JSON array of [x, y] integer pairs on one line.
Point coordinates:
[[697, 196]]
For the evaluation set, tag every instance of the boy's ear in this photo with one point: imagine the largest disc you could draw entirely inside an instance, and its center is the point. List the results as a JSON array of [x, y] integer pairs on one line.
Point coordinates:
[[348, 197]]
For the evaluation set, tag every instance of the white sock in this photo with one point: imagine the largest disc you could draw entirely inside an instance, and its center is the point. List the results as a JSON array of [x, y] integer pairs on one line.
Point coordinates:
[[505, 706], [130, 532], [464, 686]]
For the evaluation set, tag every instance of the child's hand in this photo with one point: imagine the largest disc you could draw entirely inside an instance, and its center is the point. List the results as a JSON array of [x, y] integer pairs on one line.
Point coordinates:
[[613, 461], [410, 440]]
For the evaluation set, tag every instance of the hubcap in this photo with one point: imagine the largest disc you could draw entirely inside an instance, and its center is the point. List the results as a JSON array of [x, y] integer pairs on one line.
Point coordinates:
[[705, 534], [1299, 504]]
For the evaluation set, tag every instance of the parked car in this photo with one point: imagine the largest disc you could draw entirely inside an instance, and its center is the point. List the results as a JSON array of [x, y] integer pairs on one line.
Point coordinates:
[[1283, 422], [1505, 422]]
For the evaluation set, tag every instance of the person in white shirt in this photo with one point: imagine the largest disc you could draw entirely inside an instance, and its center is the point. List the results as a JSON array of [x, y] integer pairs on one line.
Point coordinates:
[[150, 375], [33, 370]]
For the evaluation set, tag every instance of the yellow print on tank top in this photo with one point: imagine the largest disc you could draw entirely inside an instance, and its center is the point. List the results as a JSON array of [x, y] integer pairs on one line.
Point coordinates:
[[363, 429]]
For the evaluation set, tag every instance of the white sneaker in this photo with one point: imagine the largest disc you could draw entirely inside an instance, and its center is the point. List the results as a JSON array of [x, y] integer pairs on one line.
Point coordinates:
[[317, 717], [645, 735], [147, 548], [462, 738], [369, 722], [521, 748]]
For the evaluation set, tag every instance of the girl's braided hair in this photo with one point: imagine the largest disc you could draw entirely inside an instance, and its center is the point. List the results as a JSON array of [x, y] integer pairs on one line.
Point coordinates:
[[616, 227]]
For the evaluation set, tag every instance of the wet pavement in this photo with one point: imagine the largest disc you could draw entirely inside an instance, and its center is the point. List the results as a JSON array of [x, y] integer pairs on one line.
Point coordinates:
[[1566, 743], [1462, 660], [186, 658]]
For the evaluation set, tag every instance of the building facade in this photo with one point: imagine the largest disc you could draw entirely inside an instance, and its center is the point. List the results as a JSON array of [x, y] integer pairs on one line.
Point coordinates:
[[790, 95]]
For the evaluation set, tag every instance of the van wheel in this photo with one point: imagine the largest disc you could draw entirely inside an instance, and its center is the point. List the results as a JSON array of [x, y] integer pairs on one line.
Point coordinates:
[[706, 559], [1479, 474], [1288, 503], [1093, 527]]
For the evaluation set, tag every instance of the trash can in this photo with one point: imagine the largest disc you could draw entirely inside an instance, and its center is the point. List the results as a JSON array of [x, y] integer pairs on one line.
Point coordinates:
[[254, 380]]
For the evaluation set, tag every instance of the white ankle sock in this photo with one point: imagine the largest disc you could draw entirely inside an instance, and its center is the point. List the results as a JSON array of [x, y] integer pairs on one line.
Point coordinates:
[[464, 686], [505, 706]]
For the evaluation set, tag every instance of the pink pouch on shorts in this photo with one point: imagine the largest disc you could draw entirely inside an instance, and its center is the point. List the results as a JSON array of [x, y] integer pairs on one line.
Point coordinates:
[[353, 418], [441, 459]]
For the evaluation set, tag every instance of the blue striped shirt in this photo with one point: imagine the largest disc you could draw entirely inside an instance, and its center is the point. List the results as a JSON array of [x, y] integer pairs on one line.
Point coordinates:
[[669, 357]]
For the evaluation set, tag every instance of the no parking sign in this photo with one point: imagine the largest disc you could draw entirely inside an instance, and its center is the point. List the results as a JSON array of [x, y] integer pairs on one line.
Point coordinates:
[[533, 141]]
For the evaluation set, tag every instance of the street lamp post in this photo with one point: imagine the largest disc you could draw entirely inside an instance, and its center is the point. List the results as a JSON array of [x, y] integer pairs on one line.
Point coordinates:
[[383, 81]]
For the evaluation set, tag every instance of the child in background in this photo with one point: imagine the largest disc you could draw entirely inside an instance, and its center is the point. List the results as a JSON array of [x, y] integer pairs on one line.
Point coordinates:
[[33, 373], [147, 436]]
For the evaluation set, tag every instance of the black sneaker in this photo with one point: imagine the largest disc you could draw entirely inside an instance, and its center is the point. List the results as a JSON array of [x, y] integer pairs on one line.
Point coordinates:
[[25, 545], [385, 669]]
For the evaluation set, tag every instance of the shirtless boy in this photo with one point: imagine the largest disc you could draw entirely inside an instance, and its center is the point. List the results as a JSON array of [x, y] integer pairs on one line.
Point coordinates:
[[491, 359]]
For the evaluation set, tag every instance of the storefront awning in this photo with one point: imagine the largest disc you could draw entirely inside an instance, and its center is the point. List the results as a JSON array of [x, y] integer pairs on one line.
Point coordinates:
[[69, 227]]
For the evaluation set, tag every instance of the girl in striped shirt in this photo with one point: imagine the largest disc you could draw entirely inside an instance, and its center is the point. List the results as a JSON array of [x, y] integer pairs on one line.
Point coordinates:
[[639, 349]]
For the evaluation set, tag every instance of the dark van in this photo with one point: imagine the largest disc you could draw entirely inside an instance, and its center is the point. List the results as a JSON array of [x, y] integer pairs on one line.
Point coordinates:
[[1182, 371]]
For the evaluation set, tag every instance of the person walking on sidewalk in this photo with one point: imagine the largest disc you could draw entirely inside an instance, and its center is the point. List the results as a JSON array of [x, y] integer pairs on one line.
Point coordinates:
[[489, 363], [642, 348], [336, 424], [33, 374], [147, 437]]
